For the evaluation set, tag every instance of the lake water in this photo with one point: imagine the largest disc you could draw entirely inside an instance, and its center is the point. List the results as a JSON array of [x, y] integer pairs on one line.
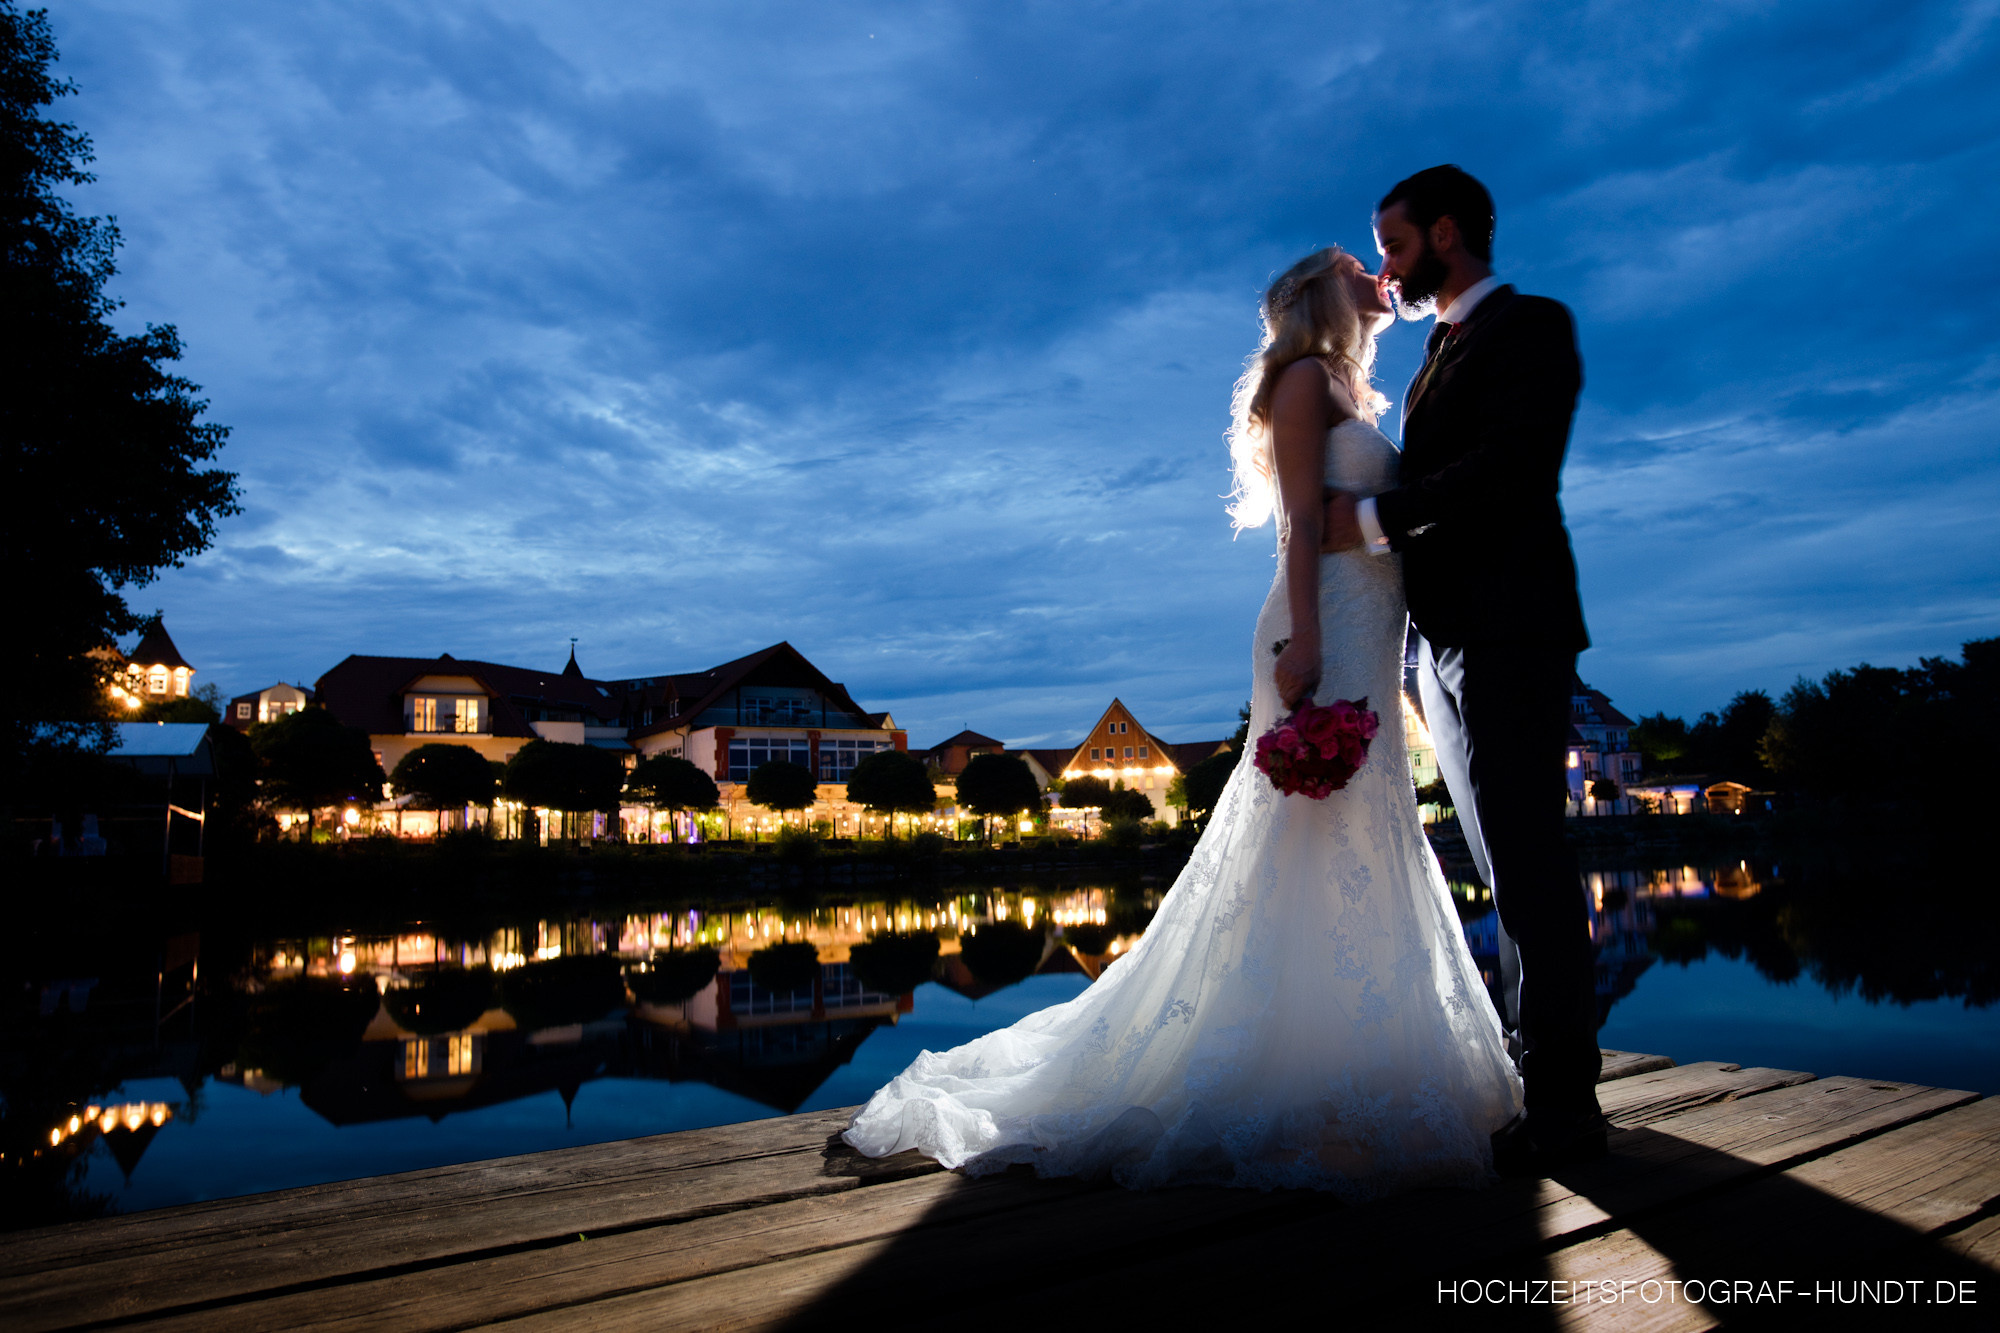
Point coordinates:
[[321, 1058]]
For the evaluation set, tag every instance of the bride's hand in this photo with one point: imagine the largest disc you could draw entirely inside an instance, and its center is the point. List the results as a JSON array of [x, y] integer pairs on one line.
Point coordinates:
[[1297, 672]]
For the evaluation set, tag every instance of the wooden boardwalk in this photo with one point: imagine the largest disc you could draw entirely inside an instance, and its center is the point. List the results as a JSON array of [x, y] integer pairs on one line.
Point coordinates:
[[1716, 1173]]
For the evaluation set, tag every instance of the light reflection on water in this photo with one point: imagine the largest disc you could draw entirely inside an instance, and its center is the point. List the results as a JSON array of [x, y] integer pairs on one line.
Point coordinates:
[[356, 1054]]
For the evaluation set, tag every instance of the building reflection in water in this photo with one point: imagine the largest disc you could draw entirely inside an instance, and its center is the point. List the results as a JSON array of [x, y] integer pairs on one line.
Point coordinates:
[[774, 1047], [427, 1023]]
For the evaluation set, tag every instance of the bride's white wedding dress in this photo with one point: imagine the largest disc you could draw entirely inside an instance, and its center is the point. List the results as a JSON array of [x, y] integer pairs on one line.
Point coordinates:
[[1302, 1011]]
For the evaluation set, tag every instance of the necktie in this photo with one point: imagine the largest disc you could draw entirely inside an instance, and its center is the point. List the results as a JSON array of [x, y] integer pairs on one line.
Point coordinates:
[[1432, 344]]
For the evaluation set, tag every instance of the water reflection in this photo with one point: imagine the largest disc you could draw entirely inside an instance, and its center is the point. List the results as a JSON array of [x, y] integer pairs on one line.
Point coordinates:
[[433, 1025]]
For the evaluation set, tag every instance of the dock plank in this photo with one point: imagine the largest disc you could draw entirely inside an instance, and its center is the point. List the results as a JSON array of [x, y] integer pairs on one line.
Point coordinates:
[[593, 1270], [1411, 1241], [385, 1197], [1644, 1097], [770, 1223], [272, 1253], [1624, 1064], [1881, 1198]]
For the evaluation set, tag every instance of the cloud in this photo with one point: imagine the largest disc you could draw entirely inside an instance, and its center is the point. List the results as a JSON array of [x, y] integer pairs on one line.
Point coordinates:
[[908, 338]]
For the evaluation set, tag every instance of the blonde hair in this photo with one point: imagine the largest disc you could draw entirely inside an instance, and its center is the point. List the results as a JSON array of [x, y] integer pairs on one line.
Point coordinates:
[[1308, 311]]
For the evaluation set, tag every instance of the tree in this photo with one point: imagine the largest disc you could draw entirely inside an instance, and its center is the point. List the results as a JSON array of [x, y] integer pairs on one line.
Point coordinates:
[[104, 483], [1085, 793], [444, 777], [1239, 740], [204, 705], [1605, 790], [310, 760], [782, 786], [1662, 741], [1435, 792], [1126, 806], [997, 784], [554, 775], [892, 782], [1206, 780], [669, 782]]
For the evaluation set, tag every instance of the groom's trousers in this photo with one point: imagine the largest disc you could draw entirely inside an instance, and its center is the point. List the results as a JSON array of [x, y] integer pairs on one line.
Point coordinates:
[[1499, 715]]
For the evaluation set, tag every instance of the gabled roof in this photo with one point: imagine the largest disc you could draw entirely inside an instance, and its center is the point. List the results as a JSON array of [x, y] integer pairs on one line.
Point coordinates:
[[1186, 754], [156, 648], [971, 740], [1599, 704], [693, 693], [367, 692], [1052, 761]]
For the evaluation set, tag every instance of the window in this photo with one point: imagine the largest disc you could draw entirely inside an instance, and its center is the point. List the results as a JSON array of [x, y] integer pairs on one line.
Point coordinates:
[[837, 758], [748, 755], [1128, 752], [417, 1058], [1093, 753], [156, 681], [243, 710], [788, 711], [423, 715], [1142, 752], [466, 717], [459, 1057]]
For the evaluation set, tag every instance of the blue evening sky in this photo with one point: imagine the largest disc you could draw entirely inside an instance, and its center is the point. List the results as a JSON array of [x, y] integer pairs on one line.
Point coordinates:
[[906, 332]]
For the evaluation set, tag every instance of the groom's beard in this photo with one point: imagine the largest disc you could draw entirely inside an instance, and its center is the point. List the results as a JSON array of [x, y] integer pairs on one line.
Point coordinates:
[[1416, 294]]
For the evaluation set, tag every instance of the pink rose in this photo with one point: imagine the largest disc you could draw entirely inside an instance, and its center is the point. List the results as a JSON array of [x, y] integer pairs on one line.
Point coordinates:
[[1318, 725]]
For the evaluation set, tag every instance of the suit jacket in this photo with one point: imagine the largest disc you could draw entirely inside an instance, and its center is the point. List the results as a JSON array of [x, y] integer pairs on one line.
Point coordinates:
[[1476, 513]]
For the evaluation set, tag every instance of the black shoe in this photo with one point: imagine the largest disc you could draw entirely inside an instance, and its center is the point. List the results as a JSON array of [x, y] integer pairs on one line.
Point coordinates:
[[1532, 1145]]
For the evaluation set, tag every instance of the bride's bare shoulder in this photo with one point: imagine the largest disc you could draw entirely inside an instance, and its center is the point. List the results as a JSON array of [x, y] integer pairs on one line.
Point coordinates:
[[1309, 395]]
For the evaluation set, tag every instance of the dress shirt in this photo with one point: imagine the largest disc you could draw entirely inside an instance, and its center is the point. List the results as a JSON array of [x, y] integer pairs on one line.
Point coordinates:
[[1457, 312]]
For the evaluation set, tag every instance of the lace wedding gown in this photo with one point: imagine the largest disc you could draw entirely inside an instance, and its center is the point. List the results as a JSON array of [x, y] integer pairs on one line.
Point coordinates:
[[1302, 1011]]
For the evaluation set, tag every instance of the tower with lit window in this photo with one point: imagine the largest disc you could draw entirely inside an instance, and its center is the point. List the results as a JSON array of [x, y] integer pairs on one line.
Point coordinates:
[[155, 671]]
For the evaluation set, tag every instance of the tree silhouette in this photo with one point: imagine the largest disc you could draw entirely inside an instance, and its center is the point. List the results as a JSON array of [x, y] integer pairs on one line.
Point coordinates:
[[997, 784], [892, 782], [669, 782], [311, 760], [782, 786], [104, 483], [440, 776]]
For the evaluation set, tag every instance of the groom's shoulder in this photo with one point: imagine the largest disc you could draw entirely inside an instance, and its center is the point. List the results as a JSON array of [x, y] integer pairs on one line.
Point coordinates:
[[1544, 311], [1537, 322]]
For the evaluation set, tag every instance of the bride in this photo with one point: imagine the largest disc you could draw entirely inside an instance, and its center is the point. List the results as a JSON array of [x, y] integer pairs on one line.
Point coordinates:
[[1302, 1011]]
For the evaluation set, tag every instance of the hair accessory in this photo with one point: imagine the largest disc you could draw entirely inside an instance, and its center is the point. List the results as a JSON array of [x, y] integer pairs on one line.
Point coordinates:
[[1283, 296]]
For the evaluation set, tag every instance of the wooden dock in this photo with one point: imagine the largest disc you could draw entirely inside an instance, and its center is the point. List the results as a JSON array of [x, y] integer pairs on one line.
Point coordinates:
[[1716, 1174]]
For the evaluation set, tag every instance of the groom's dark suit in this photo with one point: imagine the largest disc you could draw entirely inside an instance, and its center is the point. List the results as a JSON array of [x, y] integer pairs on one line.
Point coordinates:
[[1491, 586]]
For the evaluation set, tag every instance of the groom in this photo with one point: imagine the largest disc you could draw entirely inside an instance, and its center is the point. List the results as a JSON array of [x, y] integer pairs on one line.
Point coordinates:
[[1492, 590]]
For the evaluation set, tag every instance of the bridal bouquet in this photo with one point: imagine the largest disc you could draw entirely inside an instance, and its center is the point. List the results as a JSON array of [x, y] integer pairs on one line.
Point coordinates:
[[1318, 748]]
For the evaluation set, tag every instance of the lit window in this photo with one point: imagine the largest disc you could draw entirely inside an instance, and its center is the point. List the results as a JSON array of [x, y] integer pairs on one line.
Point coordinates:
[[156, 681], [466, 719], [417, 1058], [1573, 759], [458, 1055], [181, 681], [423, 714], [243, 710]]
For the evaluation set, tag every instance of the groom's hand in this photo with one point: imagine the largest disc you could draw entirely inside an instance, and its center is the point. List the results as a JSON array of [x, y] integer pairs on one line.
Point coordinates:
[[1339, 529]]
